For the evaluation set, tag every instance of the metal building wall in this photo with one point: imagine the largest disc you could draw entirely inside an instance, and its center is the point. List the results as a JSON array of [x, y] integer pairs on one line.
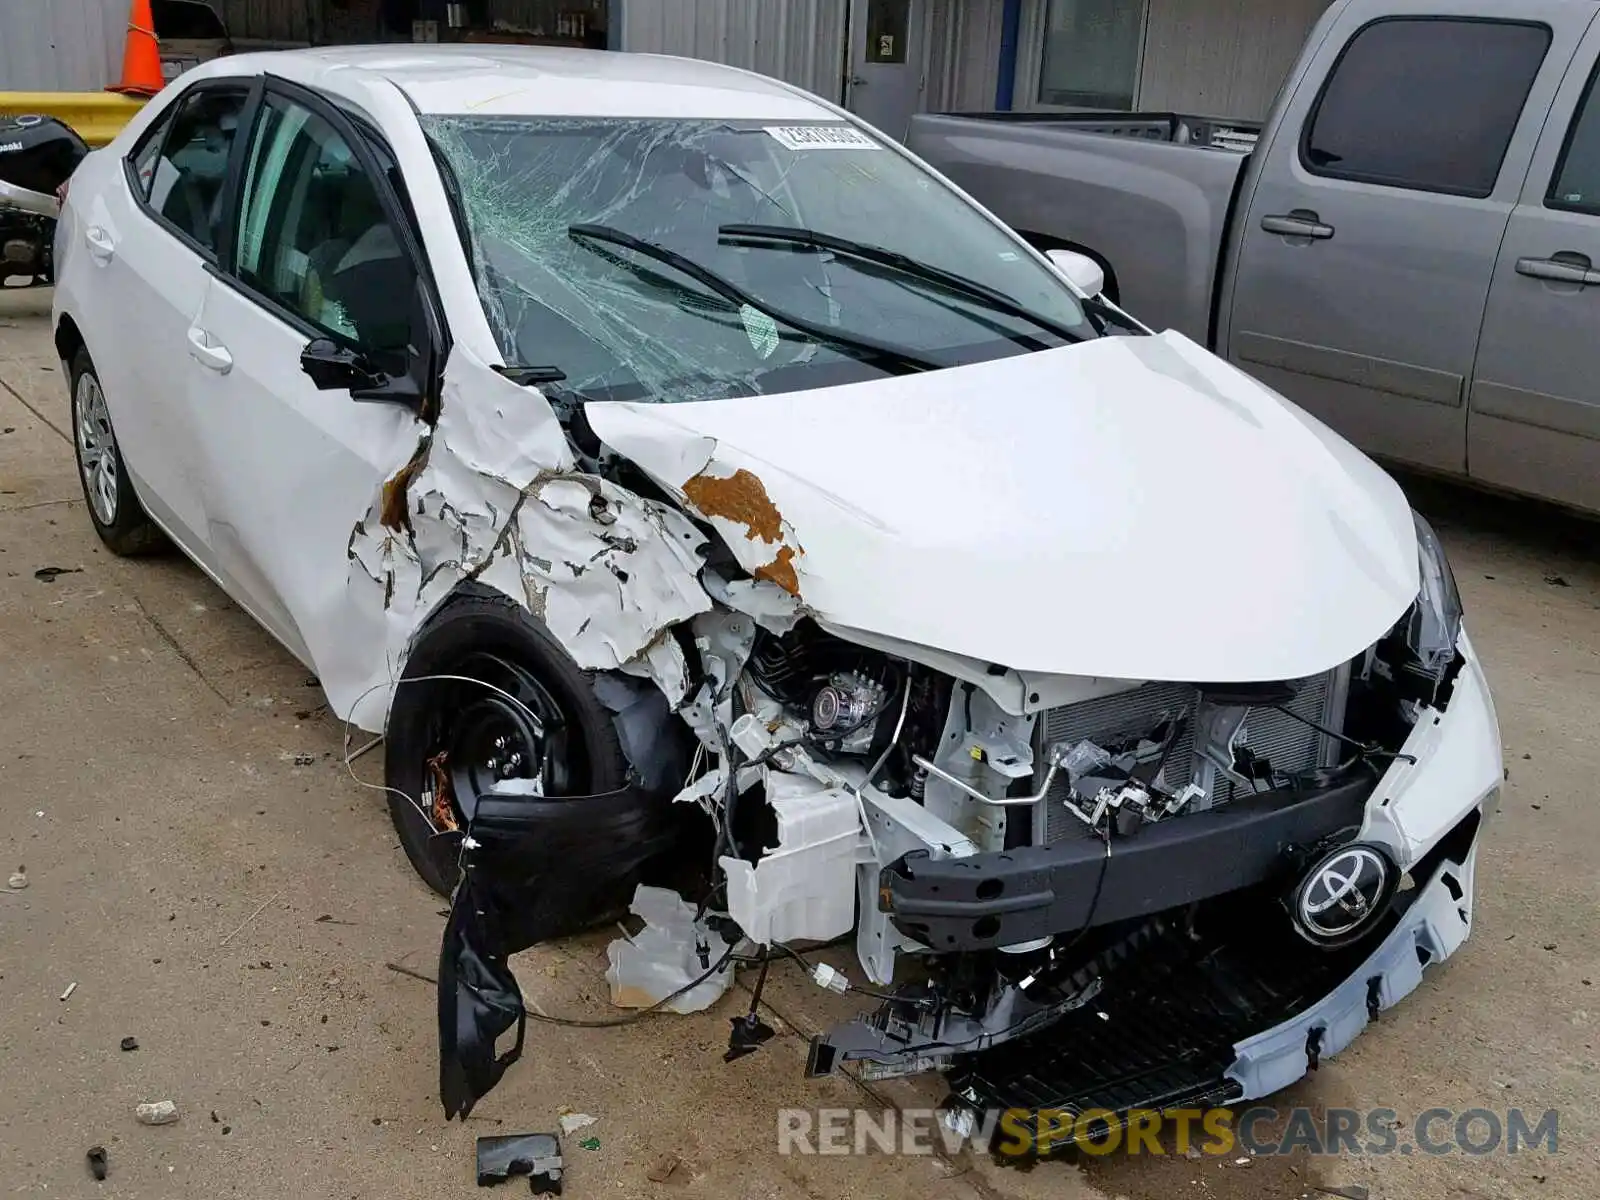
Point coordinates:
[[290, 22], [61, 45], [1223, 58], [963, 64], [1220, 58], [799, 41]]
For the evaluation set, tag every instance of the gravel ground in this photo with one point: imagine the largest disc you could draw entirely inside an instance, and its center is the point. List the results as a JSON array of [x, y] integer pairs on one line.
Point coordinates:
[[214, 883]]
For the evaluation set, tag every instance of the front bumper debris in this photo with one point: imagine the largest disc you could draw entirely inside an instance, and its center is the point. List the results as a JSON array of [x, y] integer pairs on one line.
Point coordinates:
[[985, 901], [1238, 1022]]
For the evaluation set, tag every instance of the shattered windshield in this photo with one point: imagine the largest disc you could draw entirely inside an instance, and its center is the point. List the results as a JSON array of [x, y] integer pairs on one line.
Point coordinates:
[[860, 265]]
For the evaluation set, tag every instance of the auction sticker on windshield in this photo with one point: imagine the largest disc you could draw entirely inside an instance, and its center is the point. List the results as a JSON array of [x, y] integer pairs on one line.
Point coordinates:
[[822, 137]]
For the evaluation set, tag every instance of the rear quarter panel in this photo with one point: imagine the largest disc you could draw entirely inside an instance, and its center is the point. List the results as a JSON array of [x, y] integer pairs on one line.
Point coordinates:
[[1155, 212]]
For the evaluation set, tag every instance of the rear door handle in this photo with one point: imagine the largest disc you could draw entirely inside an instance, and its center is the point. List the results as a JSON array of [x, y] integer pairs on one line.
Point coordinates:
[[1301, 223], [100, 244], [1566, 267], [208, 354]]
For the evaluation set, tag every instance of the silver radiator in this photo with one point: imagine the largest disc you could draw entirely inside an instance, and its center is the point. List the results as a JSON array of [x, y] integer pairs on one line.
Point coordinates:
[[1289, 745]]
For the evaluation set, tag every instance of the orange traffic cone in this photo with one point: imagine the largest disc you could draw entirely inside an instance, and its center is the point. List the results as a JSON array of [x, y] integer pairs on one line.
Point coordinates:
[[141, 56]]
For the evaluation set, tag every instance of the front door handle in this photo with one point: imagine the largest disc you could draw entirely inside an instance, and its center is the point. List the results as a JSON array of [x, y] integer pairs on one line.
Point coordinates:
[[1565, 267], [209, 354], [101, 247], [1301, 223]]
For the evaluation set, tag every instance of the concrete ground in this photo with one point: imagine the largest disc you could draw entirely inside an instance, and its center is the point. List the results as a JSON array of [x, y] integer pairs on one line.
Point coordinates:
[[213, 883]]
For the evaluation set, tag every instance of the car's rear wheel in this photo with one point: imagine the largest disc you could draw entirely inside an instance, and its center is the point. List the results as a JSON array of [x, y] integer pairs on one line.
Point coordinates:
[[488, 696], [114, 507]]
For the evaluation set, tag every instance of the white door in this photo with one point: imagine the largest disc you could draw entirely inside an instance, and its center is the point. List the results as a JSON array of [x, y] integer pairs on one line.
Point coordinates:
[[152, 245], [290, 468], [885, 82]]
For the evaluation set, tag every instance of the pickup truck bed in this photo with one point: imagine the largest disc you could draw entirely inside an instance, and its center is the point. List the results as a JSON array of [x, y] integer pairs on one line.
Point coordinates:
[[1163, 181]]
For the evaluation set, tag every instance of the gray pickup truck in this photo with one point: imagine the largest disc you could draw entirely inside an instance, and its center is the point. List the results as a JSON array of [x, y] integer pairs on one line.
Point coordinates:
[[1407, 249]]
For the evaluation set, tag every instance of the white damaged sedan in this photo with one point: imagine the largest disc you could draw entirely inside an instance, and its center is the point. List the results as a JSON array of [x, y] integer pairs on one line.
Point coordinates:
[[696, 489]]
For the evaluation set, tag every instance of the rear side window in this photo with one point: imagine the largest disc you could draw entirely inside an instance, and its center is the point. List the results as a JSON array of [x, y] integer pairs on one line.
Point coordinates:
[[183, 184], [1576, 183], [1424, 104]]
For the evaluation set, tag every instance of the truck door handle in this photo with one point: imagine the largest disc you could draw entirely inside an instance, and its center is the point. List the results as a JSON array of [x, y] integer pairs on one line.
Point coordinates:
[[212, 356], [1300, 223], [101, 247], [1565, 267]]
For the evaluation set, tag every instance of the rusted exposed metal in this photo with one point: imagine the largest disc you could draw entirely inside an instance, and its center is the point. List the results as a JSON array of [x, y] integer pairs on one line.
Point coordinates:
[[781, 571], [393, 513], [740, 497]]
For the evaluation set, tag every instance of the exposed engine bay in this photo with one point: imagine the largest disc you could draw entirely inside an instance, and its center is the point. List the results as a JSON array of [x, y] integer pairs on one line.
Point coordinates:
[[1010, 861]]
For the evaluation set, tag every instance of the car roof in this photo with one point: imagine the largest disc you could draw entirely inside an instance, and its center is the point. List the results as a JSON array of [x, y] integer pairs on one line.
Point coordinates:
[[538, 81]]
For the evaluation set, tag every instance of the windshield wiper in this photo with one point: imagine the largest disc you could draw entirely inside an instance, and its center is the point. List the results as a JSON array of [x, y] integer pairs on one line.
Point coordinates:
[[528, 376], [982, 293], [734, 294]]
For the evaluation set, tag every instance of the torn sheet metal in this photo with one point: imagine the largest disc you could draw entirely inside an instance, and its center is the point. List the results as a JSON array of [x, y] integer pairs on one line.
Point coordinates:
[[530, 871], [493, 494], [671, 951]]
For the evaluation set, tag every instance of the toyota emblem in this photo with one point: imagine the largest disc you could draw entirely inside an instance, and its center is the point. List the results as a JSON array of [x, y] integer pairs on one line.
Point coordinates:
[[1343, 895]]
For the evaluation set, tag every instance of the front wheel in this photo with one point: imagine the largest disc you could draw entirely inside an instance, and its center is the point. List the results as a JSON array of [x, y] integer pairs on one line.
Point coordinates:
[[488, 697]]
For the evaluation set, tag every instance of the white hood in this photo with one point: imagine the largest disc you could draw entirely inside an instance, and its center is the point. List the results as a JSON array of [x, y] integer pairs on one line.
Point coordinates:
[[1132, 507]]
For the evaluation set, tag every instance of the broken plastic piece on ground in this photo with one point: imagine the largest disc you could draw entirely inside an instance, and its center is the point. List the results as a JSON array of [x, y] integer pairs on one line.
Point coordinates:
[[664, 956], [536, 1155], [97, 1161], [662, 1169], [749, 1034], [572, 1122], [18, 880], [590, 1143], [156, 1112], [533, 867]]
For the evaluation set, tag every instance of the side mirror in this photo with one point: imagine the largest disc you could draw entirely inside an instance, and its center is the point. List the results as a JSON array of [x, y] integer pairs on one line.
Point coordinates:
[[333, 366], [1080, 270]]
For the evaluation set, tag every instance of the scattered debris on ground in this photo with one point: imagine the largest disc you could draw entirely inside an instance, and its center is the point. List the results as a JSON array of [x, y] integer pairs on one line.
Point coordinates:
[[18, 880], [49, 574], [664, 956], [572, 1122], [129, 1043], [156, 1112], [71, 987], [97, 1161], [590, 1143], [662, 1169], [536, 1155]]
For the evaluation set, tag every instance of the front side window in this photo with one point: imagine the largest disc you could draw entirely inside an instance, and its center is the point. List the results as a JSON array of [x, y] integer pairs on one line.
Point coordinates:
[[314, 237], [1091, 53], [183, 182], [1576, 183], [1425, 104], [550, 203]]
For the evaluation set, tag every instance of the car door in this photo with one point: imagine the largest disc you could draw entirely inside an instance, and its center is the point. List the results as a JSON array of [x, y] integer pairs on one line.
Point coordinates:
[[1534, 420], [151, 242], [1370, 240], [320, 250]]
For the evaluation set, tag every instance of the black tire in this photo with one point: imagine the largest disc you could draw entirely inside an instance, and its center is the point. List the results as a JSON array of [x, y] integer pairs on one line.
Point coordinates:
[[108, 493], [484, 635]]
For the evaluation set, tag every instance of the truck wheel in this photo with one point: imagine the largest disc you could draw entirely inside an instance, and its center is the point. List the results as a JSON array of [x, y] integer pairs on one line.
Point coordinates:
[[114, 507], [450, 740]]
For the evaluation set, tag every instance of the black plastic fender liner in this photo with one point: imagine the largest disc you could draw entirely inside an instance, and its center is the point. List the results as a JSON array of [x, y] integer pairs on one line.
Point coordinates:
[[533, 868], [1002, 898]]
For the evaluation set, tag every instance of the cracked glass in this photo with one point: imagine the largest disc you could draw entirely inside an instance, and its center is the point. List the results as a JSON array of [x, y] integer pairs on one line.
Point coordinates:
[[623, 325]]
